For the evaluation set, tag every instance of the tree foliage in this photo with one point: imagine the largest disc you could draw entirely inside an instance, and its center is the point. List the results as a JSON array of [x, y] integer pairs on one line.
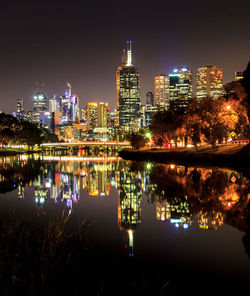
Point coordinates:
[[22, 132], [137, 140]]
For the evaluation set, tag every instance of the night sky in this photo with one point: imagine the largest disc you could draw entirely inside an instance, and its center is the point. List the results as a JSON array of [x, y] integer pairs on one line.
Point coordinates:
[[52, 42]]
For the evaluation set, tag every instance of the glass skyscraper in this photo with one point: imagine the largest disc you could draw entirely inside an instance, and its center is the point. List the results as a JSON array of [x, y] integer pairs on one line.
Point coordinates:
[[181, 88], [128, 94], [39, 106]]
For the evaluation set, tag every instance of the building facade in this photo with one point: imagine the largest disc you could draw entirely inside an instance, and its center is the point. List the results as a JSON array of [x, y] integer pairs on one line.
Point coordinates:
[[161, 83], [181, 88], [20, 109], [150, 98], [128, 94], [209, 82], [39, 106]]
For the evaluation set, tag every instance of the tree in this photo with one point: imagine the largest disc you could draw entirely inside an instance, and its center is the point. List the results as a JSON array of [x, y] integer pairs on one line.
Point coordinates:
[[137, 141], [30, 134], [165, 124], [213, 127]]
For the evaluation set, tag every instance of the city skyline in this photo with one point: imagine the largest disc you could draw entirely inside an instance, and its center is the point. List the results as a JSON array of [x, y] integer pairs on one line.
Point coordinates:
[[83, 44]]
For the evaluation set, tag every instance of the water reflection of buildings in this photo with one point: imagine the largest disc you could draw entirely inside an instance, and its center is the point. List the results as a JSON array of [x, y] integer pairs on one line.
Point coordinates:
[[60, 181], [177, 212], [210, 220], [96, 179], [129, 204], [181, 195]]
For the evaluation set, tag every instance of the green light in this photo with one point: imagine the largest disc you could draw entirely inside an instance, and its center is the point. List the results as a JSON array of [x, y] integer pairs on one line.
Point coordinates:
[[148, 135], [149, 165]]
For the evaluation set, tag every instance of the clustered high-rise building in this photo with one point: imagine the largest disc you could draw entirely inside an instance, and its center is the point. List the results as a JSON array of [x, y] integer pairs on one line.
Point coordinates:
[[175, 89], [171, 90]]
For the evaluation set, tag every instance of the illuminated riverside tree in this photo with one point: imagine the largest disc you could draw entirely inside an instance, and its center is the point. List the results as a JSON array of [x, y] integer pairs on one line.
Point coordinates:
[[128, 94]]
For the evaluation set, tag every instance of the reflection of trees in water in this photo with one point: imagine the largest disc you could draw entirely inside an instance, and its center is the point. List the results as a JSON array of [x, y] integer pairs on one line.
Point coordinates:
[[211, 193], [214, 196], [18, 173]]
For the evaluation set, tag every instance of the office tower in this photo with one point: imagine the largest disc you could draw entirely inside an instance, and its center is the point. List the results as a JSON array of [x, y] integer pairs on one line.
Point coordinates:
[[68, 107], [103, 115], [238, 75], [162, 91], [128, 94], [84, 115], [74, 109], [150, 98], [54, 110], [181, 88], [92, 115], [39, 106], [209, 82], [20, 109]]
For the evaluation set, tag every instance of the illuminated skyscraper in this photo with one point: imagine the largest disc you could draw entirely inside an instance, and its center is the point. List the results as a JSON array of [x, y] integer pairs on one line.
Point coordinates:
[[84, 115], [69, 106], [92, 115], [128, 94], [209, 82], [20, 109], [181, 87], [162, 91], [39, 106], [103, 114]]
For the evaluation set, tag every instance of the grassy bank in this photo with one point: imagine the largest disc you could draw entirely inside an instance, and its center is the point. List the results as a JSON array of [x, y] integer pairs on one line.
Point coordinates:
[[233, 156]]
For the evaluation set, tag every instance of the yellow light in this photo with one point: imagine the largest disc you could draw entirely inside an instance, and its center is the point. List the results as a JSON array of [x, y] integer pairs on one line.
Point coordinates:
[[228, 107]]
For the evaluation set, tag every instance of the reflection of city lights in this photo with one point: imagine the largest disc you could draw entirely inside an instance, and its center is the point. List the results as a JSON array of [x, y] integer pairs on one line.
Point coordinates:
[[130, 237]]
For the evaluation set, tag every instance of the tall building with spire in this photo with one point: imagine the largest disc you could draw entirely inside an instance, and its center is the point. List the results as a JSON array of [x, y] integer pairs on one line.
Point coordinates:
[[128, 93]]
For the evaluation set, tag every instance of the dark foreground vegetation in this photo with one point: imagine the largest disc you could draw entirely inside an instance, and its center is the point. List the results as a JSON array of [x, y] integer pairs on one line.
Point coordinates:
[[54, 259]]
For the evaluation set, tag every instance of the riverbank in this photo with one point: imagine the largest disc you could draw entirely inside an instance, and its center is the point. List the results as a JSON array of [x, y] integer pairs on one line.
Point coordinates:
[[232, 156]]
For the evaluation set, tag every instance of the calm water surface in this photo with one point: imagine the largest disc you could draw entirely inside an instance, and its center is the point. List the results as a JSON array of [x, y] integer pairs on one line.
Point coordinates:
[[185, 218]]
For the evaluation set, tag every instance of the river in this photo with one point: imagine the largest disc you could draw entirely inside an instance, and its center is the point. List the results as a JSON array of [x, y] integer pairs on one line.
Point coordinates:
[[188, 219]]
